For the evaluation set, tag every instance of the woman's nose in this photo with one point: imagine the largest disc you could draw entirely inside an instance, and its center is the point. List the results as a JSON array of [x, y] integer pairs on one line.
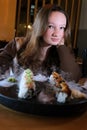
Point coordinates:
[[56, 32]]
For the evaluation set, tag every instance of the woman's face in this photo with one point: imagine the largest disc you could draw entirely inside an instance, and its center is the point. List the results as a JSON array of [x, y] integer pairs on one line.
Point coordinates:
[[55, 29]]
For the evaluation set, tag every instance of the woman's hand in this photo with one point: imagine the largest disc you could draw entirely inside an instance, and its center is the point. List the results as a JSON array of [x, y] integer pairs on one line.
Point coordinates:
[[61, 42], [19, 42]]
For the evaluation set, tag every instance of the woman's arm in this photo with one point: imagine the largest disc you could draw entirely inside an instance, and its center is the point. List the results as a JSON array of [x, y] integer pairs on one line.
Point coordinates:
[[68, 63], [8, 53]]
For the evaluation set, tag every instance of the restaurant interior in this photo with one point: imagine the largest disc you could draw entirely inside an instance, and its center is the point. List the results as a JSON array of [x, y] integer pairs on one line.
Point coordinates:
[[16, 18], [18, 15]]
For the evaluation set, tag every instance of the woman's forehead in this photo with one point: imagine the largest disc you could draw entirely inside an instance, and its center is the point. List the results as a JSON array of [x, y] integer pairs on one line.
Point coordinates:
[[57, 17]]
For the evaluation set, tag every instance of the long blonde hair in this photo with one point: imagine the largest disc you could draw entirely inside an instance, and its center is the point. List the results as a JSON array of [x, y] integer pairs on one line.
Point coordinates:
[[31, 52]]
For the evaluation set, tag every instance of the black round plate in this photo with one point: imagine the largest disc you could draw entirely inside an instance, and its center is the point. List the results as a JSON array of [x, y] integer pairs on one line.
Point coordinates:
[[8, 98]]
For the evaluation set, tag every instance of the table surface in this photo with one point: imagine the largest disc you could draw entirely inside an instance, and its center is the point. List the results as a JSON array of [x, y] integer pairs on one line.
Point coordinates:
[[12, 120]]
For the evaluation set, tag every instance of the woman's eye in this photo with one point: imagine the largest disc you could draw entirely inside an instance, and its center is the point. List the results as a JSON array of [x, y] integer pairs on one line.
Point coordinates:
[[50, 26], [62, 28]]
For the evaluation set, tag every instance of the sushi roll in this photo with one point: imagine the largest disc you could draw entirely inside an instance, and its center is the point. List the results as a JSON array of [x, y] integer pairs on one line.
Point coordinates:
[[59, 83], [62, 91], [26, 84]]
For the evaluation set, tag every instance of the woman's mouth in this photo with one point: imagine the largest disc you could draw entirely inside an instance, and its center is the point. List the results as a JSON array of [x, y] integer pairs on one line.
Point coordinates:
[[55, 39]]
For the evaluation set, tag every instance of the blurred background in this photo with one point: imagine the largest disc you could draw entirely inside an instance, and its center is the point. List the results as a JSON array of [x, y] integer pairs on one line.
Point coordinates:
[[17, 16]]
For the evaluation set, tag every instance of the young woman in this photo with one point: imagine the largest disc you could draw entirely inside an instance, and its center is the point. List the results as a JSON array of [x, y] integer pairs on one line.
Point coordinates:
[[46, 48]]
